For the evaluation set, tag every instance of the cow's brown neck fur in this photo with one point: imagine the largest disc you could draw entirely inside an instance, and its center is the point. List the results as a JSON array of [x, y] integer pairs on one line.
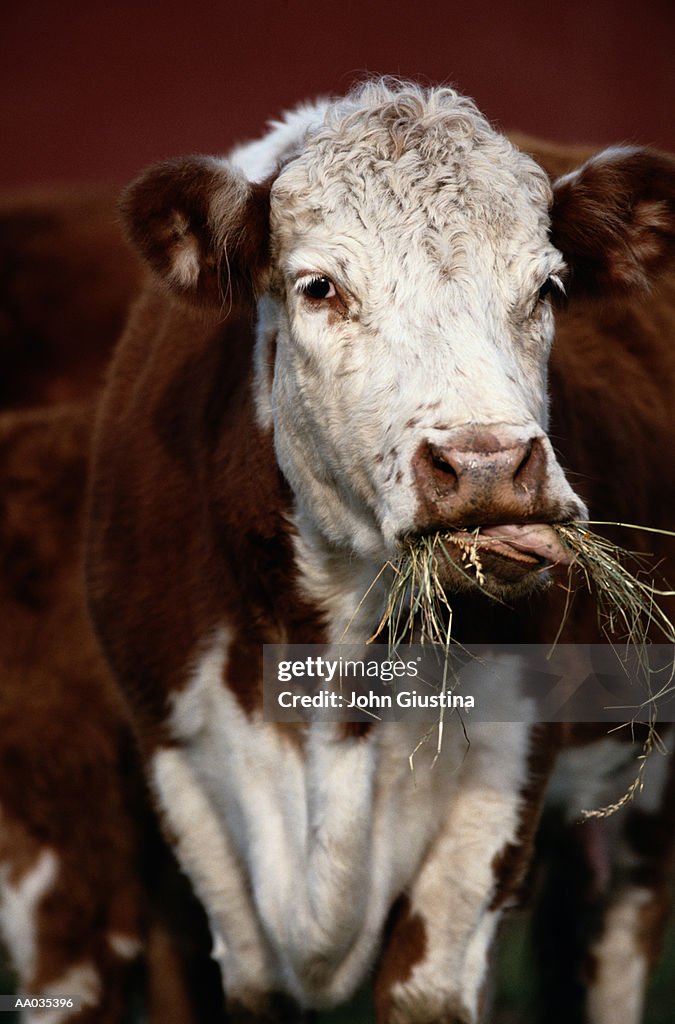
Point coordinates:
[[181, 403]]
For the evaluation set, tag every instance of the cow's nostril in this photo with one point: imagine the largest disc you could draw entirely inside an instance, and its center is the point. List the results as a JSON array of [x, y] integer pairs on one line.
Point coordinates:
[[441, 464], [443, 471], [522, 467], [532, 468]]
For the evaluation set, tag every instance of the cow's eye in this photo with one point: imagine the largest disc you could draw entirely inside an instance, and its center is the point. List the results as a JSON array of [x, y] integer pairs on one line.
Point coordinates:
[[316, 287], [552, 286]]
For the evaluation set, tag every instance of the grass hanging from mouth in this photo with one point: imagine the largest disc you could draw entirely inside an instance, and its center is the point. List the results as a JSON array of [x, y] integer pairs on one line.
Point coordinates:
[[418, 608], [627, 611], [417, 605], [626, 601]]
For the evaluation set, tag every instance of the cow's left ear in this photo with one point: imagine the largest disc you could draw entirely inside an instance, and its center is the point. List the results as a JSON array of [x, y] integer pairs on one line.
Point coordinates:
[[202, 227], [613, 219]]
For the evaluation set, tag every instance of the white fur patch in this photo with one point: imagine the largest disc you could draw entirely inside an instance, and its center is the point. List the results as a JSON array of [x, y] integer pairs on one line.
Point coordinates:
[[349, 592], [19, 903], [186, 264], [207, 854], [326, 833], [126, 947], [261, 158], [185, 255], [80, 980], [454, 889], [617, 993]]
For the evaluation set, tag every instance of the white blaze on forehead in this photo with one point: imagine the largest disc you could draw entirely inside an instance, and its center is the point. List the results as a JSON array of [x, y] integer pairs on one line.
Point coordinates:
[[434, 231], [411, 160]]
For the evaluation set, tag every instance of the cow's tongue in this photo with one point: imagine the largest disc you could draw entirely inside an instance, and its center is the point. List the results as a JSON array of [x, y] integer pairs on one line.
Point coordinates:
[[537, 542]]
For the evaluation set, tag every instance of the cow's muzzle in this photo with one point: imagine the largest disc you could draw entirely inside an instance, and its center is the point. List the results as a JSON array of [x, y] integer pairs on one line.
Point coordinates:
[[498, 490]]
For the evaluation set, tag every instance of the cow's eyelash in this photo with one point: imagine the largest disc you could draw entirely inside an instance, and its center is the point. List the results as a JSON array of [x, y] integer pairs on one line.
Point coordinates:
[[553, 285]]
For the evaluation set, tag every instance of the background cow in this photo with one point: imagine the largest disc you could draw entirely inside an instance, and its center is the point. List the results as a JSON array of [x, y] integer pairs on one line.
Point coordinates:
[[90, 900], [404, 276]]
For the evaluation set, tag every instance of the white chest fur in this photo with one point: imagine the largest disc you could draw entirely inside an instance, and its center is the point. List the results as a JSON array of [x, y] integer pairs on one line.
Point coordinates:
[[298, 849]]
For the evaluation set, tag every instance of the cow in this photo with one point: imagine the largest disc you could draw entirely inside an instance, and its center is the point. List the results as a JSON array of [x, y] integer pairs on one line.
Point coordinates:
[[91, 904], [346, 342], [71, 814]]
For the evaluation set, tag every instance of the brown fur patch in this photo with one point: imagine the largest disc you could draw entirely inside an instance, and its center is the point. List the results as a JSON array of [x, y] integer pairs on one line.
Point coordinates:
[[614, 221], [69, 775], [511, 865], [189, 518], [405, 945], [19, 850], [70, 778]]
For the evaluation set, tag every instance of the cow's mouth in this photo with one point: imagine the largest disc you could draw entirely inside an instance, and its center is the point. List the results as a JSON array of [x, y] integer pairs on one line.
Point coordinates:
[[507, 560]]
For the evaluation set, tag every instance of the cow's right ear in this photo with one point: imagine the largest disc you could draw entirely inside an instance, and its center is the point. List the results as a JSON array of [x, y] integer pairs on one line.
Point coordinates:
[[613, 219], [202, 227]]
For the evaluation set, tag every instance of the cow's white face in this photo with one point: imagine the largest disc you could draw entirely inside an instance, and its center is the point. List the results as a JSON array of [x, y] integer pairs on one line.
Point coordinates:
[[408, 307], [404, 268]]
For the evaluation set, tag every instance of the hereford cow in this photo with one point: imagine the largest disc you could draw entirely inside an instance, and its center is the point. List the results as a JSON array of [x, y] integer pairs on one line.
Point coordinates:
[[71, 903], [346, 343], [88, 893]]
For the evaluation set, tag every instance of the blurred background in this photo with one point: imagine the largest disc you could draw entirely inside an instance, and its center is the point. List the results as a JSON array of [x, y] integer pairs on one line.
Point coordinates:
[[92, 92]]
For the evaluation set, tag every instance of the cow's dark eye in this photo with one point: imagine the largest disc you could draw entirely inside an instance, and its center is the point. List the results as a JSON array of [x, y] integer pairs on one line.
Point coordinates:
[[317, 287], [551, 286]]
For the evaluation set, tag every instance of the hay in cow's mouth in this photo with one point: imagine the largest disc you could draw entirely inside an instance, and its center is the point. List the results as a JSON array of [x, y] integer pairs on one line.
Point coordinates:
[[431, 566], [418, 606], [503, 562]]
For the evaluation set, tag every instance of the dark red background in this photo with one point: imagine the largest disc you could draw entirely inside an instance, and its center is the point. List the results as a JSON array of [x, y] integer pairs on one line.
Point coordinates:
[[93, 93]]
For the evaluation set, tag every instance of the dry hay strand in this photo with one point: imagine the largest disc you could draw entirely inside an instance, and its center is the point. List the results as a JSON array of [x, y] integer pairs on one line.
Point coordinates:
[[627, 602], [628, 612], [418, 608]]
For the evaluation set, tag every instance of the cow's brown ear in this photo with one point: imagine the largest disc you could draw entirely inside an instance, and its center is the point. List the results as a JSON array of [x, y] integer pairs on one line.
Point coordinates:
[[202, 227], [614, 220]]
